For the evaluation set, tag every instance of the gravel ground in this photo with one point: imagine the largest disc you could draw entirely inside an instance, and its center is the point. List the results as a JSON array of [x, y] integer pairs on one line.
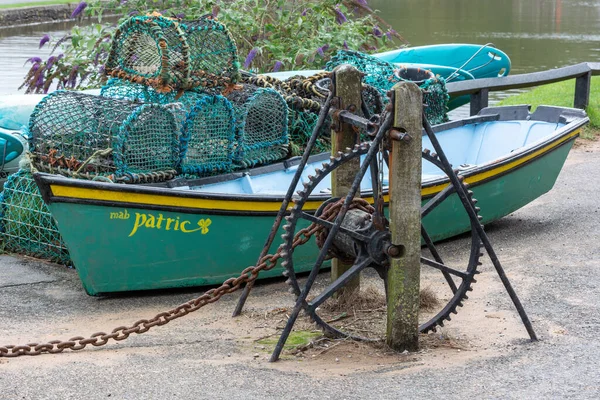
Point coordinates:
[[549, 248]]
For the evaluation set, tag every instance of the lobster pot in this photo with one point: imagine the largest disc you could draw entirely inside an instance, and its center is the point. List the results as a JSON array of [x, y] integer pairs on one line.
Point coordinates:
[[379, 73], [179, 103], [27, 227], [170, 55], [384, 75], [86, 133], [435, 94], [208, 137], [125, 90], [261, 117]]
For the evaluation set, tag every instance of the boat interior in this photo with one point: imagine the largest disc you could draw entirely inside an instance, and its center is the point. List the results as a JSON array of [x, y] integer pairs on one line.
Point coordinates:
[[473, 144]]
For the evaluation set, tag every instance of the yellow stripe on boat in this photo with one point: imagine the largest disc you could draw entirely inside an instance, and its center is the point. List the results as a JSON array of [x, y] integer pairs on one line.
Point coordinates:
[[265, 206]]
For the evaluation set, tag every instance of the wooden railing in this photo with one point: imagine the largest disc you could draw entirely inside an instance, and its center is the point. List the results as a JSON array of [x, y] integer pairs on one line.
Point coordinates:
[[479, 89]]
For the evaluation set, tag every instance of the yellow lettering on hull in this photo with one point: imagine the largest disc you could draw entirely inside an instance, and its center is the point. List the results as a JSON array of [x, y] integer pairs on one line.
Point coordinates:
[[160, 222]]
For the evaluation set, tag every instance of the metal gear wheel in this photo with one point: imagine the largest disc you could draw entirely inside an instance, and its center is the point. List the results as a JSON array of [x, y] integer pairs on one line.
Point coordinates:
[[368, 240]]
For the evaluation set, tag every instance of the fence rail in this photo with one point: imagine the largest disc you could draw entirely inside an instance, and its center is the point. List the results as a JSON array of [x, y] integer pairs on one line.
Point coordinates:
[[479, 89]]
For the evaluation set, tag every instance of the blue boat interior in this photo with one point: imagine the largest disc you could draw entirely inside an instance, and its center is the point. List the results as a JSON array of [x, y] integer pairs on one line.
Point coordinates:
[[473, 145]]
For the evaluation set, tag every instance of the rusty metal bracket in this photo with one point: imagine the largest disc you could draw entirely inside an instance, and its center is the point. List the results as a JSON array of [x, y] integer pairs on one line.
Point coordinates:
[[339, 117], [400, 135]]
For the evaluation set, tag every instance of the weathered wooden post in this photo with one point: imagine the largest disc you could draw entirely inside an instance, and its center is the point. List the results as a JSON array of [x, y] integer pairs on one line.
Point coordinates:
[[347, 86], [479, 101], [405, 218], [582, 91]]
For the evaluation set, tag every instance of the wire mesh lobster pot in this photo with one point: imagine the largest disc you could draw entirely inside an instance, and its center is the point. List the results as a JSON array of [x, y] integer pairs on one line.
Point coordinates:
[[206, 122], [261, 117], [124, 90], [179, 103], [92, 134], [435, 95], [169, 55], [26, 223], [384, 75], [208, 137]]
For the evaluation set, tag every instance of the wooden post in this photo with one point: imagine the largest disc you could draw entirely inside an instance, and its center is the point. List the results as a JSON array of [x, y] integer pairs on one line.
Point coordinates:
[[582, 91], [348, 88], [405, 220], [479, 101]]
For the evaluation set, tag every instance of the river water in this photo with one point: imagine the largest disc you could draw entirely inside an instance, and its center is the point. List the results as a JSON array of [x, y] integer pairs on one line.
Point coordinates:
[[536, 34]]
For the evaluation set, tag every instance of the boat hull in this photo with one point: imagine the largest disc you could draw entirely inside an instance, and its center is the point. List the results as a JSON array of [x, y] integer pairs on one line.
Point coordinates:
[[125, 238]]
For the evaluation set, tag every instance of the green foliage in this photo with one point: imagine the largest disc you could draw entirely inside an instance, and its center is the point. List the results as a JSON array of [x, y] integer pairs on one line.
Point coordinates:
[[78, 66], [270, 35]]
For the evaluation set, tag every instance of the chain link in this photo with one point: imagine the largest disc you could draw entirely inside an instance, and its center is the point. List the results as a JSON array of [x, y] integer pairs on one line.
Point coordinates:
[[231, 285]]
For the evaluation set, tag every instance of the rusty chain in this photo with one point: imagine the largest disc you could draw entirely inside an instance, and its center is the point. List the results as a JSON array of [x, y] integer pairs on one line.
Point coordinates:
[[231, 285]]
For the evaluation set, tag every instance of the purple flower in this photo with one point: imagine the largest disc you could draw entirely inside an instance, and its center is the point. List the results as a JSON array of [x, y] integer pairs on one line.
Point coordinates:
[[364, 4], [40, 80], [45, 39], [377, 32], [322, 50], [250, 57], [180, 16], [123, 2], [33, 60], [50, 62], [277, 66], [340, 18], [345, 45], [389, 35], [304, 12], [101, 69], [72, 80], [98, 55], [79, 9]]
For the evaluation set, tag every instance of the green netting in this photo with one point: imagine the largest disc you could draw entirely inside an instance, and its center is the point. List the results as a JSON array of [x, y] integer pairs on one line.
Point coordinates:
[[206, 121], [208, 137], [169, 55], [94, 134], [304, 97], [301, 124], [261, 117], [384, 75], [124, 90], [26, 223]]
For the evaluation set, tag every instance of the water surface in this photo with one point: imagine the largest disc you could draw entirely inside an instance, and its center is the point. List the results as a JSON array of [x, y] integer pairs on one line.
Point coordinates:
[[536, 34]]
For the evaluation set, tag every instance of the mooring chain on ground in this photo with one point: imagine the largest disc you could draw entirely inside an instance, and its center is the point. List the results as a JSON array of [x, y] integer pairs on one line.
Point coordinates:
[[231, 285]]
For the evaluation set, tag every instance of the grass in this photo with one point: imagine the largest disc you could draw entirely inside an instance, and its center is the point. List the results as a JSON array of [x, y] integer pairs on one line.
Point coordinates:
[[562, 94], [296, 339], [37, 3]]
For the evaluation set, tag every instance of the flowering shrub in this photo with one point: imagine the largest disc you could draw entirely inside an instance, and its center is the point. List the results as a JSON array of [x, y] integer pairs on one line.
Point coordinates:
[[270, 35]]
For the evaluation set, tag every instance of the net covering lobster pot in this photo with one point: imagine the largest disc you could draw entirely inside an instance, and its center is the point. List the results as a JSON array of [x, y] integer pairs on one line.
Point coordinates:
[[208, 137], [384, 75], [261, 116], [169, 55], [27, 227], [124, 90], [180, 103], [93, 134]]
